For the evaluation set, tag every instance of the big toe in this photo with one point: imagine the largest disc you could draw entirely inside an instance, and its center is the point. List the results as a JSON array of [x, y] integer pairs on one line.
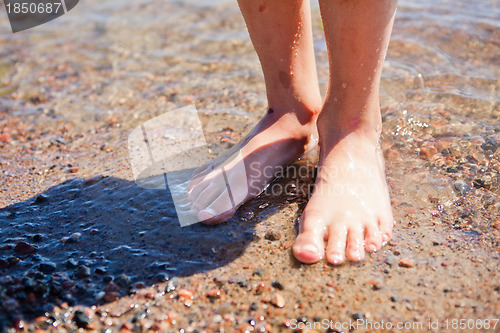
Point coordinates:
[[309, 247]]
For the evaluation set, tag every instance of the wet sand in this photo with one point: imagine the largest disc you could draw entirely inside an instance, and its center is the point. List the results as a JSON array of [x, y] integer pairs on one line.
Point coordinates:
[[82, 246]]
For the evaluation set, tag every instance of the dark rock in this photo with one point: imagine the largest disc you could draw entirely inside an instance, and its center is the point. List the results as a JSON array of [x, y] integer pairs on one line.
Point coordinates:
[[358, 316], [172, 285], [162, 277], [100, 270], [253, 307], [82, 271], [81, 319], [258, 272], [107, 278], [41, 198], [37, 237], [485, 182], [4, 263], [394, 298], [24, 248], [490, 146], [122, 280], [71, 263], [273, 235], [47, 267], [278, 285], [461, 188]]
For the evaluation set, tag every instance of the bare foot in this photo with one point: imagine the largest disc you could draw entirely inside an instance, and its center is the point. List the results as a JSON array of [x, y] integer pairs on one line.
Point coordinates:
[[350, 206], [216, 190]]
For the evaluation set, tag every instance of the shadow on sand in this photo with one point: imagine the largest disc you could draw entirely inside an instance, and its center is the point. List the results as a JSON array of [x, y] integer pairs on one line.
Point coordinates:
[[68, 243]]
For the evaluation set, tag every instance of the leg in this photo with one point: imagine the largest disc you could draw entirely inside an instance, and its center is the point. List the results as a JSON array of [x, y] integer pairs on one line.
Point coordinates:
[[350, 205], [281, 33]]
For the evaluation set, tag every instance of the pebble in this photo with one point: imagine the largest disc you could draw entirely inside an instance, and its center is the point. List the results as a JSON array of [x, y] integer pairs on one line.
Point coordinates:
[[490, 146], [461, 188], [71, 263], [74, 237], [278, 285], [427, 152], [185, 294], [484, 182], [358, 316], [47, 267], [122, 280], [273, 235], [81, 319], [407, 262], [278, 300], [82, 271], [162, 277], [172, 285], [100, 270], [4, 263], [110, 296], [213, 293], [394, 298], [24, 248], [41, 198]]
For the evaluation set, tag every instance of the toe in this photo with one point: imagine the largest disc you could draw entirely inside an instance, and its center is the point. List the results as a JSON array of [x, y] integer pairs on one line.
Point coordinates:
[[335, 249], [385, 227], [309, 247], [373, 237], [355, 250]]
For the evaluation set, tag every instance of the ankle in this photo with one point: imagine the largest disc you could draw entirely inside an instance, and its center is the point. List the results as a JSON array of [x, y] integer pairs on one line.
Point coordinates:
[[332, 128]]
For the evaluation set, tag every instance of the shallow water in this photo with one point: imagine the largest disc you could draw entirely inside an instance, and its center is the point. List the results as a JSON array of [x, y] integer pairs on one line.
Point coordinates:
[[71, 92]]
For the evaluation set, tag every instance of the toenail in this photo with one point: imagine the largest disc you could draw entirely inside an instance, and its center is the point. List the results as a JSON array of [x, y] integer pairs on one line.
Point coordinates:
[[336, 259], [372, 248], [385, 238], [310, 248]]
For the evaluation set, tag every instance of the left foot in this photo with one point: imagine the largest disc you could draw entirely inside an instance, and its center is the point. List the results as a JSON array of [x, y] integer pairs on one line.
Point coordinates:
[[350, 206]]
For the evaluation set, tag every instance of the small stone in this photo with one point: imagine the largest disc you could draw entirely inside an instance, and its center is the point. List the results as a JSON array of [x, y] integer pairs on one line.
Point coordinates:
[[217, 319], [407, 262], [257, 272], [75, 237], [82, 271], [81, 319], [461, 188], [358, 316], [122, 280], [4, 263], [484, 182], [490, 146], [71, 263], [172, 285], [273, 235], [394, 298], [162, 277], [47, 267], [100, 270], [110, 296], [278, 300], [111, 286], [185, 294], [253, 307], [24, 248], [10, 305], [427, 152], [213, 293], [278, 285], [41, 198]]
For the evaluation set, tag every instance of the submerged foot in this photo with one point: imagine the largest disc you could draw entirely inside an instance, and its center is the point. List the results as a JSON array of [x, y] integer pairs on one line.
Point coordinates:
[[217, 189], [350, 206]]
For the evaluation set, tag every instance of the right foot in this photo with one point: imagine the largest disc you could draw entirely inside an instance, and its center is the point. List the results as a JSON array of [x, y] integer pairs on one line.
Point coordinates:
[[218, 189]]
